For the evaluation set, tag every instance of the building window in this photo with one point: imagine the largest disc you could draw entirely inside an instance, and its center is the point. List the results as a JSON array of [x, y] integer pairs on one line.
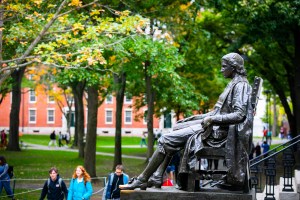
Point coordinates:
[[108, 116], [167, 120], [51, 99], [50, 116], [32, 96], [128, 117], [145, 116], [72, 122], [32, 116], [109, 99], [70, 98], [30, 77], [128, 100]]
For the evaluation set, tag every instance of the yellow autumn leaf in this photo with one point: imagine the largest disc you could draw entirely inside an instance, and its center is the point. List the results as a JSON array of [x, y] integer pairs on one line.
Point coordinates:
[[38, 2], [112, 58], [36, 14], [95, 12], [75, 3], [78, 26]]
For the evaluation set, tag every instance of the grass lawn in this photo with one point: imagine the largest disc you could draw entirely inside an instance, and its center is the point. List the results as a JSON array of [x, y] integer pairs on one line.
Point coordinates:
[[32, 165]]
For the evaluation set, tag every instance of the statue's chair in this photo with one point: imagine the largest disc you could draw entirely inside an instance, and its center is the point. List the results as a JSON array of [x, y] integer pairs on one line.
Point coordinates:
[[200, 178]]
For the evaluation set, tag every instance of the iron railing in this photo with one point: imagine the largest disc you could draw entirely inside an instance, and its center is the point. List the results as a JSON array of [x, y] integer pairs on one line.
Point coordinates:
[[267, 163]]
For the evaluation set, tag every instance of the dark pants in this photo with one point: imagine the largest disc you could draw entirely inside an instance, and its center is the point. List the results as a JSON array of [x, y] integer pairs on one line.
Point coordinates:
[[6, 184]]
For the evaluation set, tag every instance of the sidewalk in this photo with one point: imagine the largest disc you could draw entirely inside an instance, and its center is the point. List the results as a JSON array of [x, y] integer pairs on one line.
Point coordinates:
[[46, 148]]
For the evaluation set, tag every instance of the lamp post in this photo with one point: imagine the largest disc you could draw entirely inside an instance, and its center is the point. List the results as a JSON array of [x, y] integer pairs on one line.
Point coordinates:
[[268, 93]]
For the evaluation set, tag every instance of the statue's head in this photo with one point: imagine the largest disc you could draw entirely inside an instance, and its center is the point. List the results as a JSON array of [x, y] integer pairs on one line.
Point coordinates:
[[236, 61]]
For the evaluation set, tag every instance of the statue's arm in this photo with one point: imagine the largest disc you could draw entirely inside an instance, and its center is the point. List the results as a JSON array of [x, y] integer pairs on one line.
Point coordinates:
[[195, 117]]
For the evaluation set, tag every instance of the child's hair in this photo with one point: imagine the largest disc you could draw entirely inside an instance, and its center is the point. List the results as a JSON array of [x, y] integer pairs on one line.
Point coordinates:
[[86, 176]]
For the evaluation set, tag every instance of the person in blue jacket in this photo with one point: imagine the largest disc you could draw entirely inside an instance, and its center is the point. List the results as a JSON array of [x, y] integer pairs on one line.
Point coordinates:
[[4, 178], [80, 185], [112, 190]]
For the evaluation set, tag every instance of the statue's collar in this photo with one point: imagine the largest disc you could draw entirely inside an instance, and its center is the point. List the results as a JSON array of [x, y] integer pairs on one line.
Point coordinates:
[[230, 85]]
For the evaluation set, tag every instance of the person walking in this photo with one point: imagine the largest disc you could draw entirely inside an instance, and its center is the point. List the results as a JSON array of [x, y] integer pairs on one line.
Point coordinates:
[[52, 139], [60, 137], [54, 188], [4, 178], [257, 150], [112, 190], [80, 185], [3, 138], [143, 140]]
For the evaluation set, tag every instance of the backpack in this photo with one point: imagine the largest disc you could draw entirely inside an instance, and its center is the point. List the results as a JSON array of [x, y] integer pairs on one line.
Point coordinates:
[[59, 182], [10, 171]]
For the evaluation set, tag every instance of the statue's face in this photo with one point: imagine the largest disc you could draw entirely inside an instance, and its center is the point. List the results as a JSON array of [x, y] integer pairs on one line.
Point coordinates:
[[226, 69]]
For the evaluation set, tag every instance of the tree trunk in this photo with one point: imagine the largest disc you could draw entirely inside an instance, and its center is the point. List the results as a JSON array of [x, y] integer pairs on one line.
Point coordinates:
[[120, 84], [14, 121], [91, 136], [296, 106], [150, 112], [78, 96]]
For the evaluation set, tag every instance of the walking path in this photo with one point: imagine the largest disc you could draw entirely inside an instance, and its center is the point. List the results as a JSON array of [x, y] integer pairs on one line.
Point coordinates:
[[46, 148]]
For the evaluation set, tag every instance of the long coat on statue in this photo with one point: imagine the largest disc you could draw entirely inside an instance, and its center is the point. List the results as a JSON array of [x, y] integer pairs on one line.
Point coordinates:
[[231, 128]]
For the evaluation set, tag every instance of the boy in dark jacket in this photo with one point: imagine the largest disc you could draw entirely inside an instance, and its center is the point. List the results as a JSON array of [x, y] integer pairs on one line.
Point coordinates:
[[55, 188]]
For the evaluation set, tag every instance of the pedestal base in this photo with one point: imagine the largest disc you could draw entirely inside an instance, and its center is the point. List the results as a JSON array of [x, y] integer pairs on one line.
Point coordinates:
[[167, 193]]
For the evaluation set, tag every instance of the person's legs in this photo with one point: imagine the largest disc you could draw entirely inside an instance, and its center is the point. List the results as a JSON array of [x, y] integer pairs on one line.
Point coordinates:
[[157, 178], [142, 179], [50, 143], [1, 187], [6, 185], [168, 145]]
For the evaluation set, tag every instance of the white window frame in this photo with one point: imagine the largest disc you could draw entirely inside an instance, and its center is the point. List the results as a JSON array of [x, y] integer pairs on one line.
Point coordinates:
[[127, 100], [125, 116], [107, 101], [29, 115], [106, 116], [50, 109], [49, 100], [31, 95]]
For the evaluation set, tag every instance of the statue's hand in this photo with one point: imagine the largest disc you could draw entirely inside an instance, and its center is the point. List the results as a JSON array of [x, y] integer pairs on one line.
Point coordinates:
[[207, 121]]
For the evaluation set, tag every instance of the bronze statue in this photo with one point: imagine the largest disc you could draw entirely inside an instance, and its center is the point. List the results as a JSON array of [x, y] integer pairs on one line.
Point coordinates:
[[232, 112]]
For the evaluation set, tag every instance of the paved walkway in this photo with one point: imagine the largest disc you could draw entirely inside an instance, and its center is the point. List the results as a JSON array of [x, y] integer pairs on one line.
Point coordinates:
[[46, 148]]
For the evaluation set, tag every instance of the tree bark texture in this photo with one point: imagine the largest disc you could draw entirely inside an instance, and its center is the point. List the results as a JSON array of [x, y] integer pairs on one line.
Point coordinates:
[[120, 84], [150, 112], [78, 90], [14, 121], [91, 136]]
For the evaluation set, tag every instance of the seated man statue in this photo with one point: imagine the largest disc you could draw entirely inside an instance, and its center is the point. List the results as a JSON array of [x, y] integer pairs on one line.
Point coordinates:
[[232, 113]]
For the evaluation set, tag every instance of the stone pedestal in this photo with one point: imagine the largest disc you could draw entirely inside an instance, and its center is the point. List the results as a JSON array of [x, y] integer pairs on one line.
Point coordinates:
[[167, 193]]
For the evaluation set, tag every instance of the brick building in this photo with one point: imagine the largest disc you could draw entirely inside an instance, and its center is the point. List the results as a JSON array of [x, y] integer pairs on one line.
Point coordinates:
[[39, 113]]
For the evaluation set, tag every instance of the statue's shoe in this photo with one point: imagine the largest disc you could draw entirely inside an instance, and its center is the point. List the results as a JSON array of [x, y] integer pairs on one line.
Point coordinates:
[[154, 183], [134, 183]]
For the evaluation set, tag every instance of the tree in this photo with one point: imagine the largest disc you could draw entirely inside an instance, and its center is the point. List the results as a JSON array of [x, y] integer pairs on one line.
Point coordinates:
[[9, 13], [152, 62]]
